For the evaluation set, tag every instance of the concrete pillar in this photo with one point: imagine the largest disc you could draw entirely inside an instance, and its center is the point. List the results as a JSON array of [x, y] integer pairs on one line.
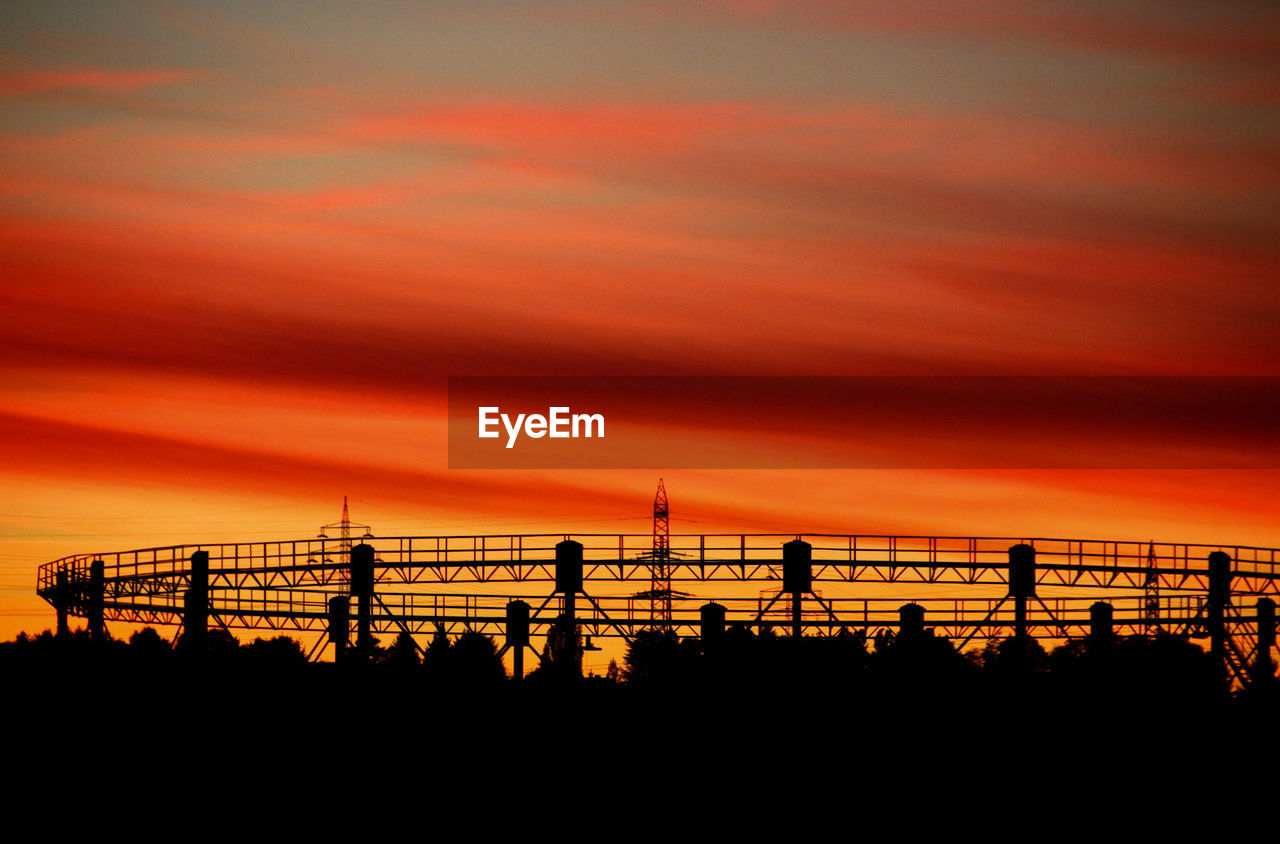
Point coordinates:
[[517, 635], [1022, 585], [1263, 666], [797, 577], [339, 627], [62, 602], [1219, 597], [195, 609], [910, 622], [1101, 630], [362, 591], [96, 597]]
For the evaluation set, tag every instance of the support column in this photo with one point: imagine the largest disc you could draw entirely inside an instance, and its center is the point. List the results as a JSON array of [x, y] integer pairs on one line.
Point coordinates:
[[1022, 585], [97, 590], [1263, 666], [195, 610], [362, 590], [1101, 629], [517, 635], [339, 627], [62, 602], [797, 578], [569, 584], [1219, 597]]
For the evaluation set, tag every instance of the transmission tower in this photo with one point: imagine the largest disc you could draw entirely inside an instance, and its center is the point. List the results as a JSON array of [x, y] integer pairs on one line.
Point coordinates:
[[1151, 592], [660, 559], [343, 529], [660, 588]]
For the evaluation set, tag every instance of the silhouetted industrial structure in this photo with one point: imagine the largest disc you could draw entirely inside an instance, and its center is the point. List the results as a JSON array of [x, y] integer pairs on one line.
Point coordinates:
[[343, 527], [420, 585], [659, 594], [1151, 588]]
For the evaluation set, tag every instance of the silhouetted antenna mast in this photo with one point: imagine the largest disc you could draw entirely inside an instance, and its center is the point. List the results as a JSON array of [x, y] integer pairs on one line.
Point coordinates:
[[343, 529]]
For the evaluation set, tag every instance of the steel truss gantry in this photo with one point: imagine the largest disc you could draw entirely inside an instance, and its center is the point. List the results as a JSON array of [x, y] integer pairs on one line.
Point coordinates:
[[424, 584]]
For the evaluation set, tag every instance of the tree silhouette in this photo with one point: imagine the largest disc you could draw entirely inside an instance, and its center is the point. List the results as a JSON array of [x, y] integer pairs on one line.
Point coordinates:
[[403, 652], [562, 652], [1156, 670], [278, 651], [656, 656], [470, 659], [1005, 657], [436, 659], [148, 645], [148, 640], [474, 658]]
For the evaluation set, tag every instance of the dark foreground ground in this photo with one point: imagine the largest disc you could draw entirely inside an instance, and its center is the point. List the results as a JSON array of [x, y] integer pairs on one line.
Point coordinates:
[[773, 704], [778, 742]]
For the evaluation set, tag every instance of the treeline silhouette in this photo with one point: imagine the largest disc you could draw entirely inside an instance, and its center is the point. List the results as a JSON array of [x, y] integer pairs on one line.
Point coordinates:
[[882, 687], [888, 671], [1157, 670]]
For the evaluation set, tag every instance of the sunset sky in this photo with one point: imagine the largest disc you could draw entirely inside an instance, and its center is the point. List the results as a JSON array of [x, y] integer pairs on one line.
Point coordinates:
[[242, 246]]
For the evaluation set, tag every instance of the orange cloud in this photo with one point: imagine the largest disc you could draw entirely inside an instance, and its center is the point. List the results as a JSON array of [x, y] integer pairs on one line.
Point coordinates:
[[88, 79], [1181, 32]]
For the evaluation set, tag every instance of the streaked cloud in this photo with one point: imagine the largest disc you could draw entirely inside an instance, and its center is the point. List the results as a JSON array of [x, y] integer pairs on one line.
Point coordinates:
[[88, 79], [239, 253]]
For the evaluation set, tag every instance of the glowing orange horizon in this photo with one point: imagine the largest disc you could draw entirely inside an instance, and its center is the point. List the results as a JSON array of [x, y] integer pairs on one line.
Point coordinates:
[[238, 260]]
